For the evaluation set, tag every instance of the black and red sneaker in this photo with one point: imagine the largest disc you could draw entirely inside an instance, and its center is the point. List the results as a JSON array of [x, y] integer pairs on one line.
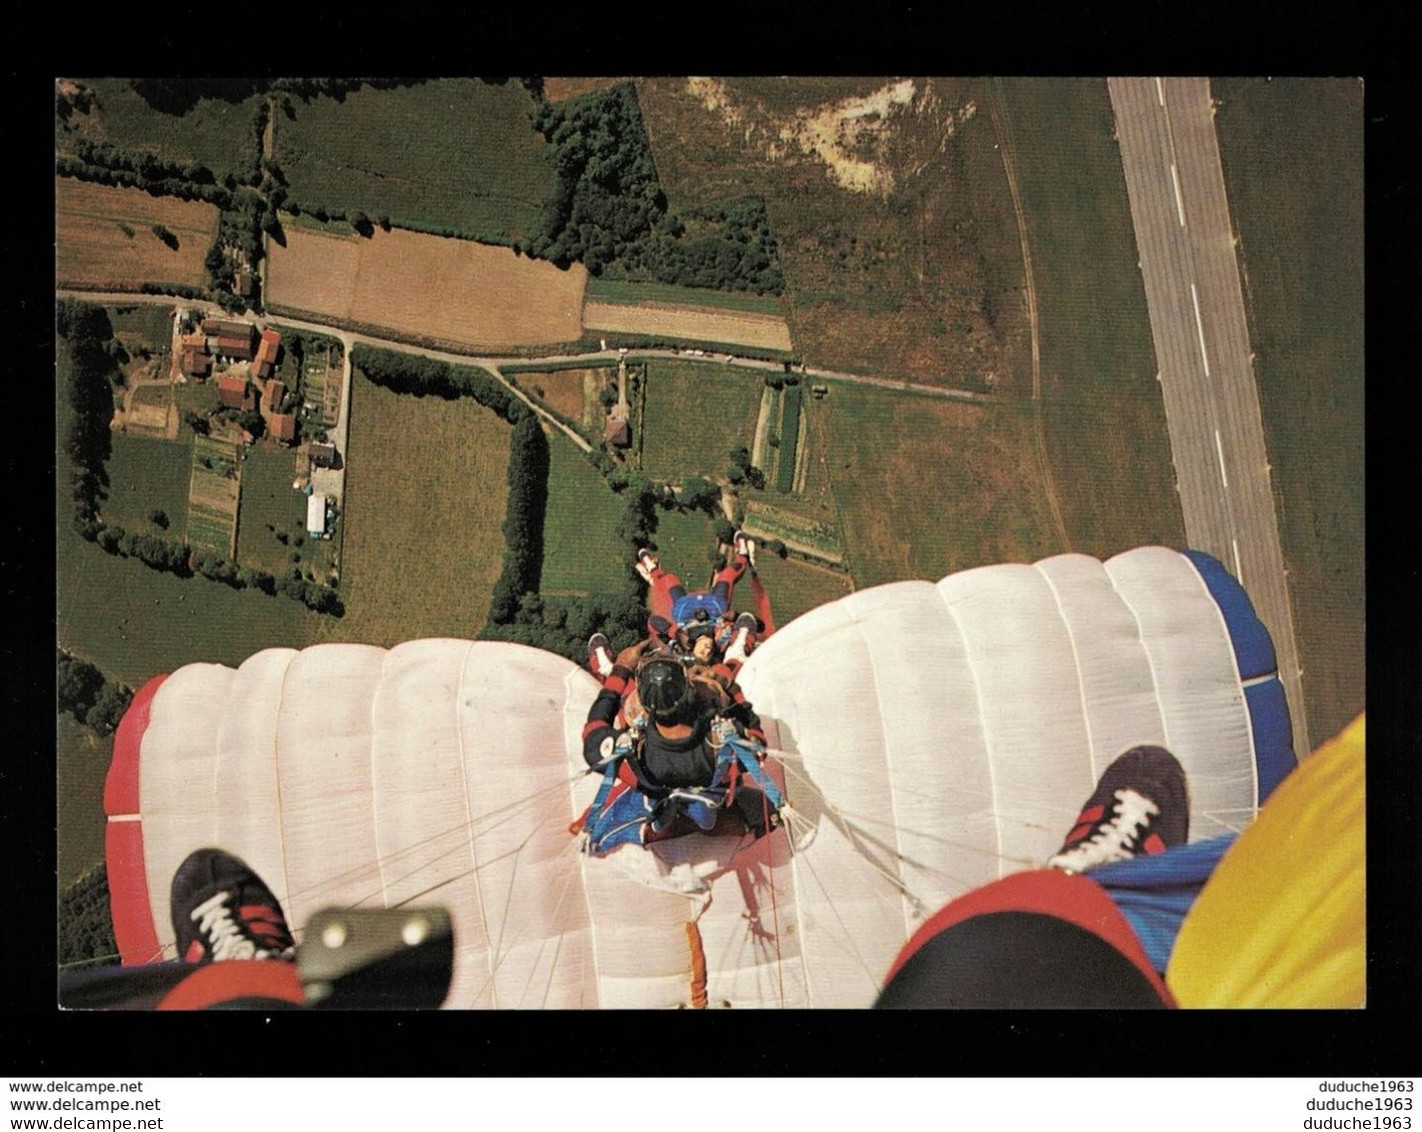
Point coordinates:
[[223, 910], [1141, 807]]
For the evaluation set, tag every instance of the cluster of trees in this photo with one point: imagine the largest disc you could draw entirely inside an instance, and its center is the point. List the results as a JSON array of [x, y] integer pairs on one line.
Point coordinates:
[[86, 931], [167, 235], [523, 519], [609, 211], [742, 470], [86, 694], [404, 373], [88, 338]]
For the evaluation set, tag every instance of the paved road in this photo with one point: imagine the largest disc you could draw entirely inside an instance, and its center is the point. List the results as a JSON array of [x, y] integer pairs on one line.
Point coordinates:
[[1166, 132]]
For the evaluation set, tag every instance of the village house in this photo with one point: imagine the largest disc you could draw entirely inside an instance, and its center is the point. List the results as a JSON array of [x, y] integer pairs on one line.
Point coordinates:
[[265, 360], [323, 455], [193, 360], [280, 425], [229, 338], [235, 392]]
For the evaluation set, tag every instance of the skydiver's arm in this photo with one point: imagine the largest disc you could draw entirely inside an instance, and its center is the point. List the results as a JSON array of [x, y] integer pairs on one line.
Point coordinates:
[[742, 712], [603, 711]]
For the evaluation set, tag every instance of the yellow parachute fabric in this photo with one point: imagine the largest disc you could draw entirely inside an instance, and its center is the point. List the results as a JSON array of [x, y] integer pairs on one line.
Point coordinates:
[[1281, 922]]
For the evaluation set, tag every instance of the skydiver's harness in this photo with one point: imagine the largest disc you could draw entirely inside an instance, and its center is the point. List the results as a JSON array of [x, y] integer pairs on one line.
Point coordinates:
[[630, 810]]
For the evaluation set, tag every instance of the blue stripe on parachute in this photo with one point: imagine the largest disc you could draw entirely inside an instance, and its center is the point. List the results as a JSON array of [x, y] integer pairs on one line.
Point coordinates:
[[1255, 657], [1273, 740]]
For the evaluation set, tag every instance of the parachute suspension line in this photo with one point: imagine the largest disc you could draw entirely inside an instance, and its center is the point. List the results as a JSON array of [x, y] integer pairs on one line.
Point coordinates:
[[552, 919], [849, 817], [774, 902], [698, 966], [484, 823], [849, 936], [860, 839], [496, 960]]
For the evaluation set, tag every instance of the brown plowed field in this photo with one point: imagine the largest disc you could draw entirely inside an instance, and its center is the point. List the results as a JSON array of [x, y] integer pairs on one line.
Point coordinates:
[[428, 287], [93, 251], [693, 324]]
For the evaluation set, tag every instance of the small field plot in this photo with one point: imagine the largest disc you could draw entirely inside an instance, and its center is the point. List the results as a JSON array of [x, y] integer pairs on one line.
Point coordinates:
[[219, 134], [696, 413], [143, 325], [686, 543], [451, 154], [556, 90], [582, 553], [270, 507], [147, 474], [572, 392], [889, 206], [927, 487], [104, 236], [1299, 216], [427, 287], [685, 314], [425, 498], [212, 496]]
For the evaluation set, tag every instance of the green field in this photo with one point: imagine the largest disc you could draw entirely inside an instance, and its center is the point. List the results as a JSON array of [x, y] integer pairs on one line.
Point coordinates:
[[456, 154], [143, 323], [794, 587], [927, 487], [1106, 435], [425, 497], [82, 762], [1292, 151], [631, 294], [144, 474], [696, 413], [221, 135], [685, 542], [582, 553]]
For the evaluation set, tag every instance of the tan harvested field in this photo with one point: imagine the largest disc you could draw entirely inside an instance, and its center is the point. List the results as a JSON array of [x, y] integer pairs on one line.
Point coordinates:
[[428, 287], [93, 251], [691, 324], [555, 90]]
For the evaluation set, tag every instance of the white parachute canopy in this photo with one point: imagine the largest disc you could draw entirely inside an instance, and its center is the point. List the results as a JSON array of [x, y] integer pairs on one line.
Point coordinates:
[[931, 737]]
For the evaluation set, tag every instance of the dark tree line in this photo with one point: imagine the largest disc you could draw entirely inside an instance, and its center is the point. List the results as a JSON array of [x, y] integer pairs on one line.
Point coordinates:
[[523, 519], [609, 211], [87, 336], [86, 694], [427, 377], [86, 931]]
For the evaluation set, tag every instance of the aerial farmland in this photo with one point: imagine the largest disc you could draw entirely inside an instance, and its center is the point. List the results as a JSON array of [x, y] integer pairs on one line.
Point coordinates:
[[374, 361]]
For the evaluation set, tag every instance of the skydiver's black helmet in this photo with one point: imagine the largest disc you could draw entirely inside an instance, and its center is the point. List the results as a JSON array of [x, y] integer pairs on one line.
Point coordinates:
[[662, 687]]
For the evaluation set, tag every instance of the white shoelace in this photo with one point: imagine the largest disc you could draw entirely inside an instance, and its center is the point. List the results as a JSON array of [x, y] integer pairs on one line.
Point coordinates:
[[1113, 840], [214, 920]]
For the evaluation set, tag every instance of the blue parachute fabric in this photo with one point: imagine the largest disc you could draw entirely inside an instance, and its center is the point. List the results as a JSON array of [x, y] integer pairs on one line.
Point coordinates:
[[619, 823], [1253, 647], [1254, 655], [1154, 893], [1273, 738]]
